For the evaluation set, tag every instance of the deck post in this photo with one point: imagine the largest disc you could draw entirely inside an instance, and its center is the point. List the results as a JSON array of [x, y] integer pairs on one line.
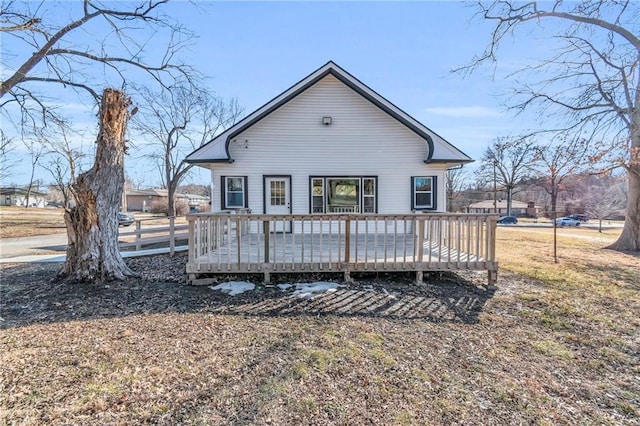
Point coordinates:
[[138, 226], [420, 243], [419, 277], [192, 236], [239, 239], [172, 236], [265, 226], [347, 240]]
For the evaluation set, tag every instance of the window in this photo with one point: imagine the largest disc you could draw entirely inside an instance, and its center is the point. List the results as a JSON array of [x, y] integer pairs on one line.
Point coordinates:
[[277, 193], [423, 193], [343, 194], [317, 195], [234, 192]]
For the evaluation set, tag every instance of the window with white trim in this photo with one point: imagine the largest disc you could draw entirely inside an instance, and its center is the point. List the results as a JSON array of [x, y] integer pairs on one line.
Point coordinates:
[[234, 192], [423, 192], [349, 194]]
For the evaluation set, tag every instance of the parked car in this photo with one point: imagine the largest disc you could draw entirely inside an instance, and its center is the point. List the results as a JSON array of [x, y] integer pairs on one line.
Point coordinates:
[[508, 220], [567, 221], [580, 217], [125, 219]]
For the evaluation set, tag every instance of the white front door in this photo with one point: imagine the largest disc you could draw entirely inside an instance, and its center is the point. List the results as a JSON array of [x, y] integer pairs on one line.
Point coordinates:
[[277, 195]]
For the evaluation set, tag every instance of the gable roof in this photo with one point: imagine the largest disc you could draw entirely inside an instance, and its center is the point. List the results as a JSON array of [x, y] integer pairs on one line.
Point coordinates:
[[217, 150]]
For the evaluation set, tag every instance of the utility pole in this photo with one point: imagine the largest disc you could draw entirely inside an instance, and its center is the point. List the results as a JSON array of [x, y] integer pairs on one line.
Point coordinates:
[[495, 190]]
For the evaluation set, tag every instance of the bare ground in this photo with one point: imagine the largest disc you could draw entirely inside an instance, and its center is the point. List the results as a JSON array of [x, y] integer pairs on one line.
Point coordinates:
[[380, 351]]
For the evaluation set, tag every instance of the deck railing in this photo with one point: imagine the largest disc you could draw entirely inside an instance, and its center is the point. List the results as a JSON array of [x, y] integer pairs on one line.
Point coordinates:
[[260, 243]]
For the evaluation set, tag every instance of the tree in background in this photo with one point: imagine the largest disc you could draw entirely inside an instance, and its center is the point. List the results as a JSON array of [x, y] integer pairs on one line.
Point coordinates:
[[457, 179], [506, 162], [6, 146], [590, 87], [557, 161], [36, 149], [178, 121], [604, 203], [65, 163]]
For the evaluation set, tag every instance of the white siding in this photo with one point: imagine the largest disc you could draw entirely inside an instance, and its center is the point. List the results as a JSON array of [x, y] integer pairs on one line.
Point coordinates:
[[362, 140]]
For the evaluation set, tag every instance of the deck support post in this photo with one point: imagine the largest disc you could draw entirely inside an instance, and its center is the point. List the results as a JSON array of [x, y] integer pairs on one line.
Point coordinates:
[[492, 277], [419, 277], [267, 277], [347, 276]]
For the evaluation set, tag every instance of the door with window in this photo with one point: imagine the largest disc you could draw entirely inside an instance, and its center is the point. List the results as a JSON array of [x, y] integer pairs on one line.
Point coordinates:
[[278, 200]]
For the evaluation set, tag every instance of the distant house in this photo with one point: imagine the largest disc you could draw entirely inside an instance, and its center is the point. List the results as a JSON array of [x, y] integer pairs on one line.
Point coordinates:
[[518, 208], [144, 200], [329, 144], [14, 196]]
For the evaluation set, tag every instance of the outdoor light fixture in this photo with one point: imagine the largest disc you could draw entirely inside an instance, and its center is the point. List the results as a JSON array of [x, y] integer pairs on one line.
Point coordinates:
[[326, 120]]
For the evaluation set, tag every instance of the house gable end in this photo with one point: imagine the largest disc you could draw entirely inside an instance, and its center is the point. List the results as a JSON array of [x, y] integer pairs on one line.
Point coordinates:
[[217, 150]]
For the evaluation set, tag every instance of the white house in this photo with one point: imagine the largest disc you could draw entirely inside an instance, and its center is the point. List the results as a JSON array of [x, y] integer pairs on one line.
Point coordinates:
[[518, 208], [328, 144], [13, 196]]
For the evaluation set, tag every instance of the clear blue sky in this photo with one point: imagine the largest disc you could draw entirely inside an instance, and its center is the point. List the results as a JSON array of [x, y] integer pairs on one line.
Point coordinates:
[[403, 50]]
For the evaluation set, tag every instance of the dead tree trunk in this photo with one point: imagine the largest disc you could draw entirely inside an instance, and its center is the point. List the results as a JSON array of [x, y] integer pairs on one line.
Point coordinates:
[[92, 225]]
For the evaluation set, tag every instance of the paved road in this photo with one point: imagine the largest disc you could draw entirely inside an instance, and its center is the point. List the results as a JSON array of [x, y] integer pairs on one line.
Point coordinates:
[[37, 245]]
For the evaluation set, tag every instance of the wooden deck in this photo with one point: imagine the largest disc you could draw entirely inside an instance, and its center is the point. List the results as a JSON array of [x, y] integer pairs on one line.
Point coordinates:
[[345, 243]]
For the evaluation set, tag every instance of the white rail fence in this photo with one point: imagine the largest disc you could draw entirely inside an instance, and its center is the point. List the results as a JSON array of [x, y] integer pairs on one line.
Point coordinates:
[[163, 232]]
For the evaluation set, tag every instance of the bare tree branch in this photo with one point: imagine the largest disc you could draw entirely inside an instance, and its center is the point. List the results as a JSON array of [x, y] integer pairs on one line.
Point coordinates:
[[51, 53], [593, 84]]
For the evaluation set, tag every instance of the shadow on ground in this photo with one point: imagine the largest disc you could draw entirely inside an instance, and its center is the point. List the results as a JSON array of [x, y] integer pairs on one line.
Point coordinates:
[[29, 296]]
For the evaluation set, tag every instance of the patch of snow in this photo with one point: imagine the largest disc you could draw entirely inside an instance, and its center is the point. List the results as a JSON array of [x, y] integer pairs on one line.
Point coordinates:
[[284, 286], [388, 294], [234, 288], [309, 290]]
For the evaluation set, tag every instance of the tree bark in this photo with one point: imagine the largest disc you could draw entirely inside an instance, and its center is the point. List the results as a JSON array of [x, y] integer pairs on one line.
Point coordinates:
[[92, 225], [629, 239]]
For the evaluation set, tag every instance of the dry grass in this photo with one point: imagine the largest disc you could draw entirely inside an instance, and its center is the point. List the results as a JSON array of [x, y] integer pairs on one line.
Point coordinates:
[[27, 222], [555, 344]]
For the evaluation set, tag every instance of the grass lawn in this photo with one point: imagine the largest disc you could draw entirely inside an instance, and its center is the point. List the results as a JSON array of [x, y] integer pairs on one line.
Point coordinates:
[[555, 343]]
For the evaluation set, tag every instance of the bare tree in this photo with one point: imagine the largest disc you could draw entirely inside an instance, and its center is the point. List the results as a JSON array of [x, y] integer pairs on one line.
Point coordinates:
[[178, 121], [92, 225], [41, 53], [6, 164], [65, 164], [604, 202], [592, 83], [457, 179], [36, 150], [556, 161], [100, 44], [507, 162]]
